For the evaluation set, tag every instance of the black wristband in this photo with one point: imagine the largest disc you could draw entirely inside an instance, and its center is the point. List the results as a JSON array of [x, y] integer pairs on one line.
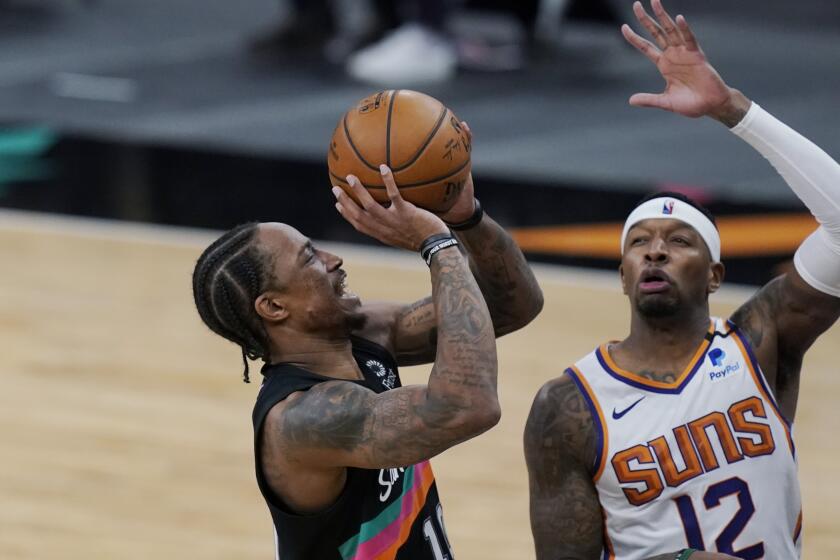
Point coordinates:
[[435, 243], [472, 221], [431, 240]]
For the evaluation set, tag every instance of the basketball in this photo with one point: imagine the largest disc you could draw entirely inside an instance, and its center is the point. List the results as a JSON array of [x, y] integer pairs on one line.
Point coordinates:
[[415, 135]]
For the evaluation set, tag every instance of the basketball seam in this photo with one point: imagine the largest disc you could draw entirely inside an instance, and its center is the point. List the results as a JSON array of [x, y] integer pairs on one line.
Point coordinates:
[[353, 146], [388, 128], [410, 185], [425, 144]]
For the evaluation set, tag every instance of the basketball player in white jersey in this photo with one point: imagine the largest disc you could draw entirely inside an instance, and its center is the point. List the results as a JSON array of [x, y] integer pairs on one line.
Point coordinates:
[[677, 439]]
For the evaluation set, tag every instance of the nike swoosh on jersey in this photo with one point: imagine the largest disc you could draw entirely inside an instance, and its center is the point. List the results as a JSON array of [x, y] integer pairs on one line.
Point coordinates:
[[617, 415]]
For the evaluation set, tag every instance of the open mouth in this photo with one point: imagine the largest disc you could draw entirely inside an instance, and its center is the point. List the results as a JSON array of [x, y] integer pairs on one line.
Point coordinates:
[[654, 281], [341, 287]]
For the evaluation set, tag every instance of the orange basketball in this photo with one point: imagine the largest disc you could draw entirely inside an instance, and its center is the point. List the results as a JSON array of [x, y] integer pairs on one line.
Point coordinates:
[[415, 135]]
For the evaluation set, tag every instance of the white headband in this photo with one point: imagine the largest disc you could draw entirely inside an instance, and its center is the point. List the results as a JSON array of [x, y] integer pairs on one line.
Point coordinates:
[[671, 208]]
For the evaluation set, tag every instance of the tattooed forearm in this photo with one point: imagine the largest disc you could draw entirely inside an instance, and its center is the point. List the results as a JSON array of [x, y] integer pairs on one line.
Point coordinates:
[[466, 346], [507, 282], [419, 313], [560, 449]]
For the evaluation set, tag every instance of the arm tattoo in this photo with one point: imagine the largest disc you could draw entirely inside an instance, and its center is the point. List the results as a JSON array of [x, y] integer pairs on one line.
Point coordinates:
[[560, 449], [466, 346], [507, 285], [507, 282], [781, 322], [344, 424], [329, 415], [753, 317], [415, 335]]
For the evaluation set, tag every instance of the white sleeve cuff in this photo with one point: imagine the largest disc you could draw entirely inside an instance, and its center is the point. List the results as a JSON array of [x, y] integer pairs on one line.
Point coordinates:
[[745, 123], [818, 263]]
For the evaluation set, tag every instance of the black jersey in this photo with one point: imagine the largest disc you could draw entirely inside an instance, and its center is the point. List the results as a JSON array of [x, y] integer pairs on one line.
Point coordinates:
[[381, 513]]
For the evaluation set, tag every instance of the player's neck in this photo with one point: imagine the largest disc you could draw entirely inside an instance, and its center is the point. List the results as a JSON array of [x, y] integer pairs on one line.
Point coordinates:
[[665, 338], [330, 357]]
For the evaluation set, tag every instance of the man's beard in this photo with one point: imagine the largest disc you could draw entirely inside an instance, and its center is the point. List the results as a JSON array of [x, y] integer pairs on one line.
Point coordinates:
[[658, 307]]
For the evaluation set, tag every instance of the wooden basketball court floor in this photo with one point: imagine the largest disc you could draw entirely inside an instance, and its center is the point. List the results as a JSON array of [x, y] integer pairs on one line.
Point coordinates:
[[125, 429]]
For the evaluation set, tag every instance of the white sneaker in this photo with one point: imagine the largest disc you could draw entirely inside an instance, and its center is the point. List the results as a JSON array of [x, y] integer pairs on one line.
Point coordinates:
[[411, 54]]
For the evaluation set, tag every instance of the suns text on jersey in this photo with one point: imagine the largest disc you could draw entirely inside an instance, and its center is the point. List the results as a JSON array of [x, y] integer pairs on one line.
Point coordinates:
[[740, 432]]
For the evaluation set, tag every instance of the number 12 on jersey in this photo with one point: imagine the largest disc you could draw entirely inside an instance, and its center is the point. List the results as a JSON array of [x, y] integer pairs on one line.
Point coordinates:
[[724, 542]]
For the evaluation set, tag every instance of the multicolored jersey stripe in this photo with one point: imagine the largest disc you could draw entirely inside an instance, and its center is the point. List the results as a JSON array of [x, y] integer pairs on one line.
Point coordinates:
[[382, 536]]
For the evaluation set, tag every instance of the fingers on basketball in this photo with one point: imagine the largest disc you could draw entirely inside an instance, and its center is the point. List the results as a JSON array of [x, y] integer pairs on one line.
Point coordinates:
[[360, 193], [390, 185]]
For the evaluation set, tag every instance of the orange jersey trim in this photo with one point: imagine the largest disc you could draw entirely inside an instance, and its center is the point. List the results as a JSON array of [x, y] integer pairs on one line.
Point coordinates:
[[596, 406], [637, 379]]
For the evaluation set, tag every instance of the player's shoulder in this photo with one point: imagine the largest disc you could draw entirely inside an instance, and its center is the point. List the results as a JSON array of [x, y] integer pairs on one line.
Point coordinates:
[[325, 407], [560, 420], [559, 407], [560, 395]]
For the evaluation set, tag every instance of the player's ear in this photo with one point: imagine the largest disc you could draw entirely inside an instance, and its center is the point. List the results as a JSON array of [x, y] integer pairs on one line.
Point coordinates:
[[716, 273], [623, 279], [271, 307]]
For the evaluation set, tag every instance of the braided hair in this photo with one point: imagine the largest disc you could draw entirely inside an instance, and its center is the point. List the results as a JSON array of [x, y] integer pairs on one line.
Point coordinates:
[[229, 275]]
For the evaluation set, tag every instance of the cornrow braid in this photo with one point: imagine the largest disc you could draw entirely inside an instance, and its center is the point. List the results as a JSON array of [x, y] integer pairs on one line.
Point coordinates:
[[229, 275]]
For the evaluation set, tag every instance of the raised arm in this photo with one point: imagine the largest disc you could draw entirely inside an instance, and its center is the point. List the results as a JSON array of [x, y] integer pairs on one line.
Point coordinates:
[[507, 282], [339, 424], [785, 317]]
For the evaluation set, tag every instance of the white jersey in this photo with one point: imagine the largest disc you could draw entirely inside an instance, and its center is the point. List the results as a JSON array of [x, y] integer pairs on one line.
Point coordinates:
[[705, 462]]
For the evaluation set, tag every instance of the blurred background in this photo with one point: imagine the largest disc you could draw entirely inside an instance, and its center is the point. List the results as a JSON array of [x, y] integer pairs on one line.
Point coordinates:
[[213, 113], [125, 431]]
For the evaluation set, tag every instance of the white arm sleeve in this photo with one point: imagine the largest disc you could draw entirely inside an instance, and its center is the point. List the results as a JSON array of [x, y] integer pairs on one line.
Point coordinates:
[[815, 178]]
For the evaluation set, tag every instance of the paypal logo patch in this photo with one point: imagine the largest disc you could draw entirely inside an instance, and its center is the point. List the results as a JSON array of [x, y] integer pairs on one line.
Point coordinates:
[[716, 357]]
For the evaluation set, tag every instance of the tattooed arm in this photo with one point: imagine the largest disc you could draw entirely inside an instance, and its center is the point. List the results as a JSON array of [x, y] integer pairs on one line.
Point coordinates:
[[566, 518], [507, 283], [781, 321], [343, 424], [506, 280]]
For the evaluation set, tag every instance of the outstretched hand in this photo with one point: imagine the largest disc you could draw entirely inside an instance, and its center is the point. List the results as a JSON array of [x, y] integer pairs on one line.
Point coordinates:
[[401, 224], [693, 88]]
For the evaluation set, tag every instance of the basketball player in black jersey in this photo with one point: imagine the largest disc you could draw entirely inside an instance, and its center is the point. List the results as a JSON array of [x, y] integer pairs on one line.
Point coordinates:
[[341, 448], [669, 266]]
